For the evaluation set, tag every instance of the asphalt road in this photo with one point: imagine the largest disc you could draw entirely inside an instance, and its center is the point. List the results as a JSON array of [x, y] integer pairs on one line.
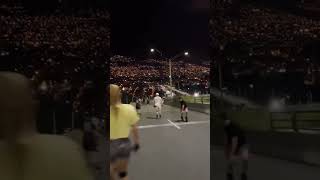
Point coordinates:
[[263, 168], [172, 150]]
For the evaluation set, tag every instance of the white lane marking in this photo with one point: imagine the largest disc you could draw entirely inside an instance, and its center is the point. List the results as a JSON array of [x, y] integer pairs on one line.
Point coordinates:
[[174, 124], [154, 126], [194, 122], [169, 124]]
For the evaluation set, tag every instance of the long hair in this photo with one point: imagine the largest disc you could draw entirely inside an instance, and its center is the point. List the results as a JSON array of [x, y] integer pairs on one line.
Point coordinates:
[[114, 98]]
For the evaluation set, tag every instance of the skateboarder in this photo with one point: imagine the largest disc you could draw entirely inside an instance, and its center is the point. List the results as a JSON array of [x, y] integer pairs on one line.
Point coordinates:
[[184, 110]]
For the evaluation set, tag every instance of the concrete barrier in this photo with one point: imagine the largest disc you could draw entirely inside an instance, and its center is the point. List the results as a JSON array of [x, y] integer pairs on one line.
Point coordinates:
[[302, 148]]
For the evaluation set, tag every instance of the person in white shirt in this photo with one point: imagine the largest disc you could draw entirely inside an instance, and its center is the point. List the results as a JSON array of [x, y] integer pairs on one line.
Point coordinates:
[[158, 101]]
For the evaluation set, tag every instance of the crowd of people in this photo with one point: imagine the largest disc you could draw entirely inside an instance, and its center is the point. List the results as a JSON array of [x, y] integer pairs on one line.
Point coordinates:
[[149, 74], [265, 52]]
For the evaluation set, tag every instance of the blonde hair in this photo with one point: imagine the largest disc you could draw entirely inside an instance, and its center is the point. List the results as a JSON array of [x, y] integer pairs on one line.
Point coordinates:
[[115, 95], [115, 98]]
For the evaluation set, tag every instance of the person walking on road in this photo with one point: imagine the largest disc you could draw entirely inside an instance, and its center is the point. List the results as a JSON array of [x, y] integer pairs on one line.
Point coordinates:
[[236, 148], [183, 110], [123, 121], [138, 105], [158, 101]]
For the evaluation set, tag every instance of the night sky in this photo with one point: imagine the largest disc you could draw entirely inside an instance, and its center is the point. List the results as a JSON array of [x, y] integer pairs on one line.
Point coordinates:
[[171, 26]]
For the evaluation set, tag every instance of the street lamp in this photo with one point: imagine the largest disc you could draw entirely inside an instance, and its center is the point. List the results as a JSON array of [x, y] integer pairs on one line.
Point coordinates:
[[185, 53]]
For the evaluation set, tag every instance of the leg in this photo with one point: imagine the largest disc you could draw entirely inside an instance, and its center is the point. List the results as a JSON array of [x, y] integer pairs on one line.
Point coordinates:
[[186, 116], [230, 164], [181, 116], [113, 172], [122, 167], [245, 164], [157, 108]]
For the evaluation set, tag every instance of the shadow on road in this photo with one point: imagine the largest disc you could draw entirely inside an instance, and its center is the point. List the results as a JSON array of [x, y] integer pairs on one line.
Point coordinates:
[[151, 117]]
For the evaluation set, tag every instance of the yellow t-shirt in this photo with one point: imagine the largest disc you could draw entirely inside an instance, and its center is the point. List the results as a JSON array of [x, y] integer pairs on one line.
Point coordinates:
[[122, 121]]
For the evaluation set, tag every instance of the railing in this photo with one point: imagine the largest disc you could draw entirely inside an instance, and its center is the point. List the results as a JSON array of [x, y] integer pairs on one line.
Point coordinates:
[[197, 100], [55, 123], [295, 120]]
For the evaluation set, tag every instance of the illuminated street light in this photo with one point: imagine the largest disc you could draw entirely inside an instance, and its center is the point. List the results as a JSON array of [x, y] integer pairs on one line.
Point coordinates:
[[185, 53]]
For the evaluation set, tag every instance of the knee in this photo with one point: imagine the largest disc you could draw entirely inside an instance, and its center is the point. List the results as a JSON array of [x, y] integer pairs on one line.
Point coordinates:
[[123, 174], [245, 155]]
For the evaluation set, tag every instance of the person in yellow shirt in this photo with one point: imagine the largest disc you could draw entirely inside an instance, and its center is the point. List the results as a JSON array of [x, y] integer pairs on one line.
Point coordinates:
[[123, 122], [26, 154]]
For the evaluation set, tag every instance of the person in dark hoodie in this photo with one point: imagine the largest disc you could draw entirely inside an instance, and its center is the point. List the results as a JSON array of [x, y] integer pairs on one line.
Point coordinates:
[[183, 110], [236, 148]]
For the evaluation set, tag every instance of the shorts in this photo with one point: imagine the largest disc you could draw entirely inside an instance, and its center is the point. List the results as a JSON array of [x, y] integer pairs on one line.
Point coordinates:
[[158, 107], [120, 149], [185, 110], [240, 149]]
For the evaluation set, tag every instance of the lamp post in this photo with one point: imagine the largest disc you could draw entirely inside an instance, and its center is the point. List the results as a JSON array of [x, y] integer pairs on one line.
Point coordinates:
[[185, 53]]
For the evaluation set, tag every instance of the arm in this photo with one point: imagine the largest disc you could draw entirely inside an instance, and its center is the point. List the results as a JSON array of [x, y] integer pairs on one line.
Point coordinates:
[[134, 128], [135, 134], [226, 147], [234, 144]]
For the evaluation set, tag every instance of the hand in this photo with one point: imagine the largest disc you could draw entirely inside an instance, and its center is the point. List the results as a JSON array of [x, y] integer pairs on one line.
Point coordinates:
[[136, 147]]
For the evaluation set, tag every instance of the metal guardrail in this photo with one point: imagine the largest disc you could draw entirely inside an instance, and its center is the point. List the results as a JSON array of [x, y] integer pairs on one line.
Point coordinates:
[[197, 100], [56, 125], [293, 121], [202, 108]]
